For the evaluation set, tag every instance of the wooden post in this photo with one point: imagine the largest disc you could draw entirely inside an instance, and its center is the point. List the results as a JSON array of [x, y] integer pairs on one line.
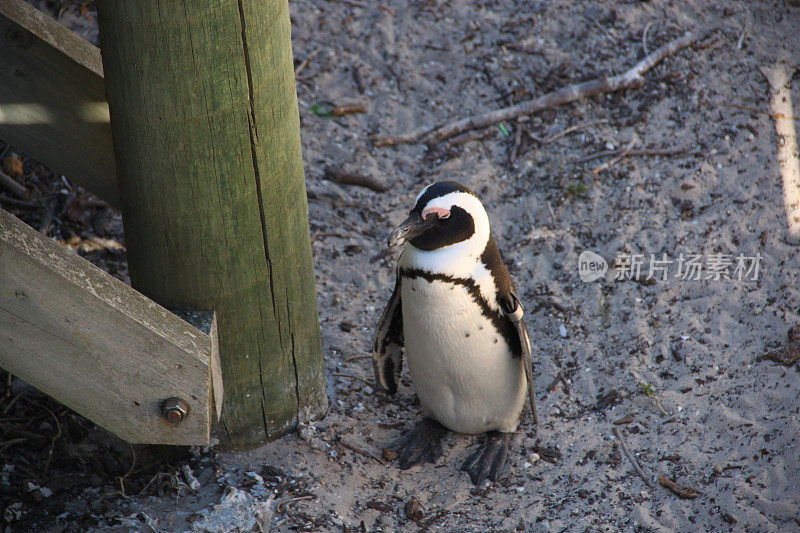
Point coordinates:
[[206, 136]]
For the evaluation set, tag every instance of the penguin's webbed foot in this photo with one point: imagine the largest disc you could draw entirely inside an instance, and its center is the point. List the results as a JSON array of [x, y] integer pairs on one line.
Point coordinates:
[[421, 444], [490, 459]]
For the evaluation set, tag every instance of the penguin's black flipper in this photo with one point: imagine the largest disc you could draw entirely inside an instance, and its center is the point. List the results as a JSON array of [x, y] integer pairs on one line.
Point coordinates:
[[513, 310], [490, 459], [387, 347], [421, 444]]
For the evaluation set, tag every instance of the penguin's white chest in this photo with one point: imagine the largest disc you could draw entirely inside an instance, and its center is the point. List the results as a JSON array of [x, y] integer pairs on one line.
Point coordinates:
[[462, 368]]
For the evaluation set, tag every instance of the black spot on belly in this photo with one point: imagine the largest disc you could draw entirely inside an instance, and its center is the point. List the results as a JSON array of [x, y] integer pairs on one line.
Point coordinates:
[[495, 340], [466, 334]]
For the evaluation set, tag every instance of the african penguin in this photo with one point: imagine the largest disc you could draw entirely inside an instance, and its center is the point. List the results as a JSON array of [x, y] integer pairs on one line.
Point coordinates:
[[455, 311]]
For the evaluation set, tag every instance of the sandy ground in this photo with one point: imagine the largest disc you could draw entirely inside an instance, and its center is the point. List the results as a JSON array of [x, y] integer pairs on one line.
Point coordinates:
[[679, 358]]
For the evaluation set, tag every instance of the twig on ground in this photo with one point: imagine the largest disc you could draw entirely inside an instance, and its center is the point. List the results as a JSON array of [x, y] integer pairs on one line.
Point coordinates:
[[158, 475], [567, 131], [11, 185], [552, 214], [687, 493], [615, 430], [124, 476], [640, 152], [301, 497], [631, 79], [743, 35], [779, 77], [11, 442], [53, 440], [602, 28], [47, 218], [622, 155], [359, 450], [517, 142], [19, 203], [353, 3], [464, 138], [644, 36], [350, 376], [302, 66], [560, 378], [347, 178], [14, 400], [357, 358]]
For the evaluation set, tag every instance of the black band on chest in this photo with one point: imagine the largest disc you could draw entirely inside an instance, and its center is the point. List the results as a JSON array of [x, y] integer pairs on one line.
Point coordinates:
[[498, 320]]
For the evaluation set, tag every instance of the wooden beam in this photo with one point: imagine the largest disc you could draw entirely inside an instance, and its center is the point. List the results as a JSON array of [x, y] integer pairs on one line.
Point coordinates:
[[98, 346], [52, 98], [207, 137]]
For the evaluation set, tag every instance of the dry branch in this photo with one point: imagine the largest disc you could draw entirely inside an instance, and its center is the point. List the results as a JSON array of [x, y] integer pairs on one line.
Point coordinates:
[[630, 456], [779, 78], [10, 184], [642, 152], [632, 79], [567, 131]]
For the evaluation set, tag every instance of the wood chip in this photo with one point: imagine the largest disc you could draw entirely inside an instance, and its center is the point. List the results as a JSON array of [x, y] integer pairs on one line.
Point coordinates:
[[12, 165], [414, 510], [348, 109], [784, 356], [687, 493], [788, 355], [389, 455], [624, 420], [348, 178], [380, 506]]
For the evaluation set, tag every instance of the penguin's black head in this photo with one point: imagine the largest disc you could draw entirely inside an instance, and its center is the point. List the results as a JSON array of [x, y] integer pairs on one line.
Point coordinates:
[[445, 213]]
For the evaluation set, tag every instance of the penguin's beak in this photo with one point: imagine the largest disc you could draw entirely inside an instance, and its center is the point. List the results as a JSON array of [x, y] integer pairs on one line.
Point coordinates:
[[411, 227]]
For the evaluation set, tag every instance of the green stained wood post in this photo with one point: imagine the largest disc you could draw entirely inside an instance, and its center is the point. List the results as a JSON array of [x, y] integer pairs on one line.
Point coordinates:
[[206, 135]]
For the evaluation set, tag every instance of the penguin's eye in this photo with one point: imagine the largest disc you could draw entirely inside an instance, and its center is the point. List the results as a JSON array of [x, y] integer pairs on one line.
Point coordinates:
[[440, 212]]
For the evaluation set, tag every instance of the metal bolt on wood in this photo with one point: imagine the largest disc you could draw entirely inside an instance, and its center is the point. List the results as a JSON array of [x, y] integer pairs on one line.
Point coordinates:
[[174, 410]]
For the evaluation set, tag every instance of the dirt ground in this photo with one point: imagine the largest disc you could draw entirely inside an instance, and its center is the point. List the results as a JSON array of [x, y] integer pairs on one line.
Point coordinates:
[[673, 364]]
